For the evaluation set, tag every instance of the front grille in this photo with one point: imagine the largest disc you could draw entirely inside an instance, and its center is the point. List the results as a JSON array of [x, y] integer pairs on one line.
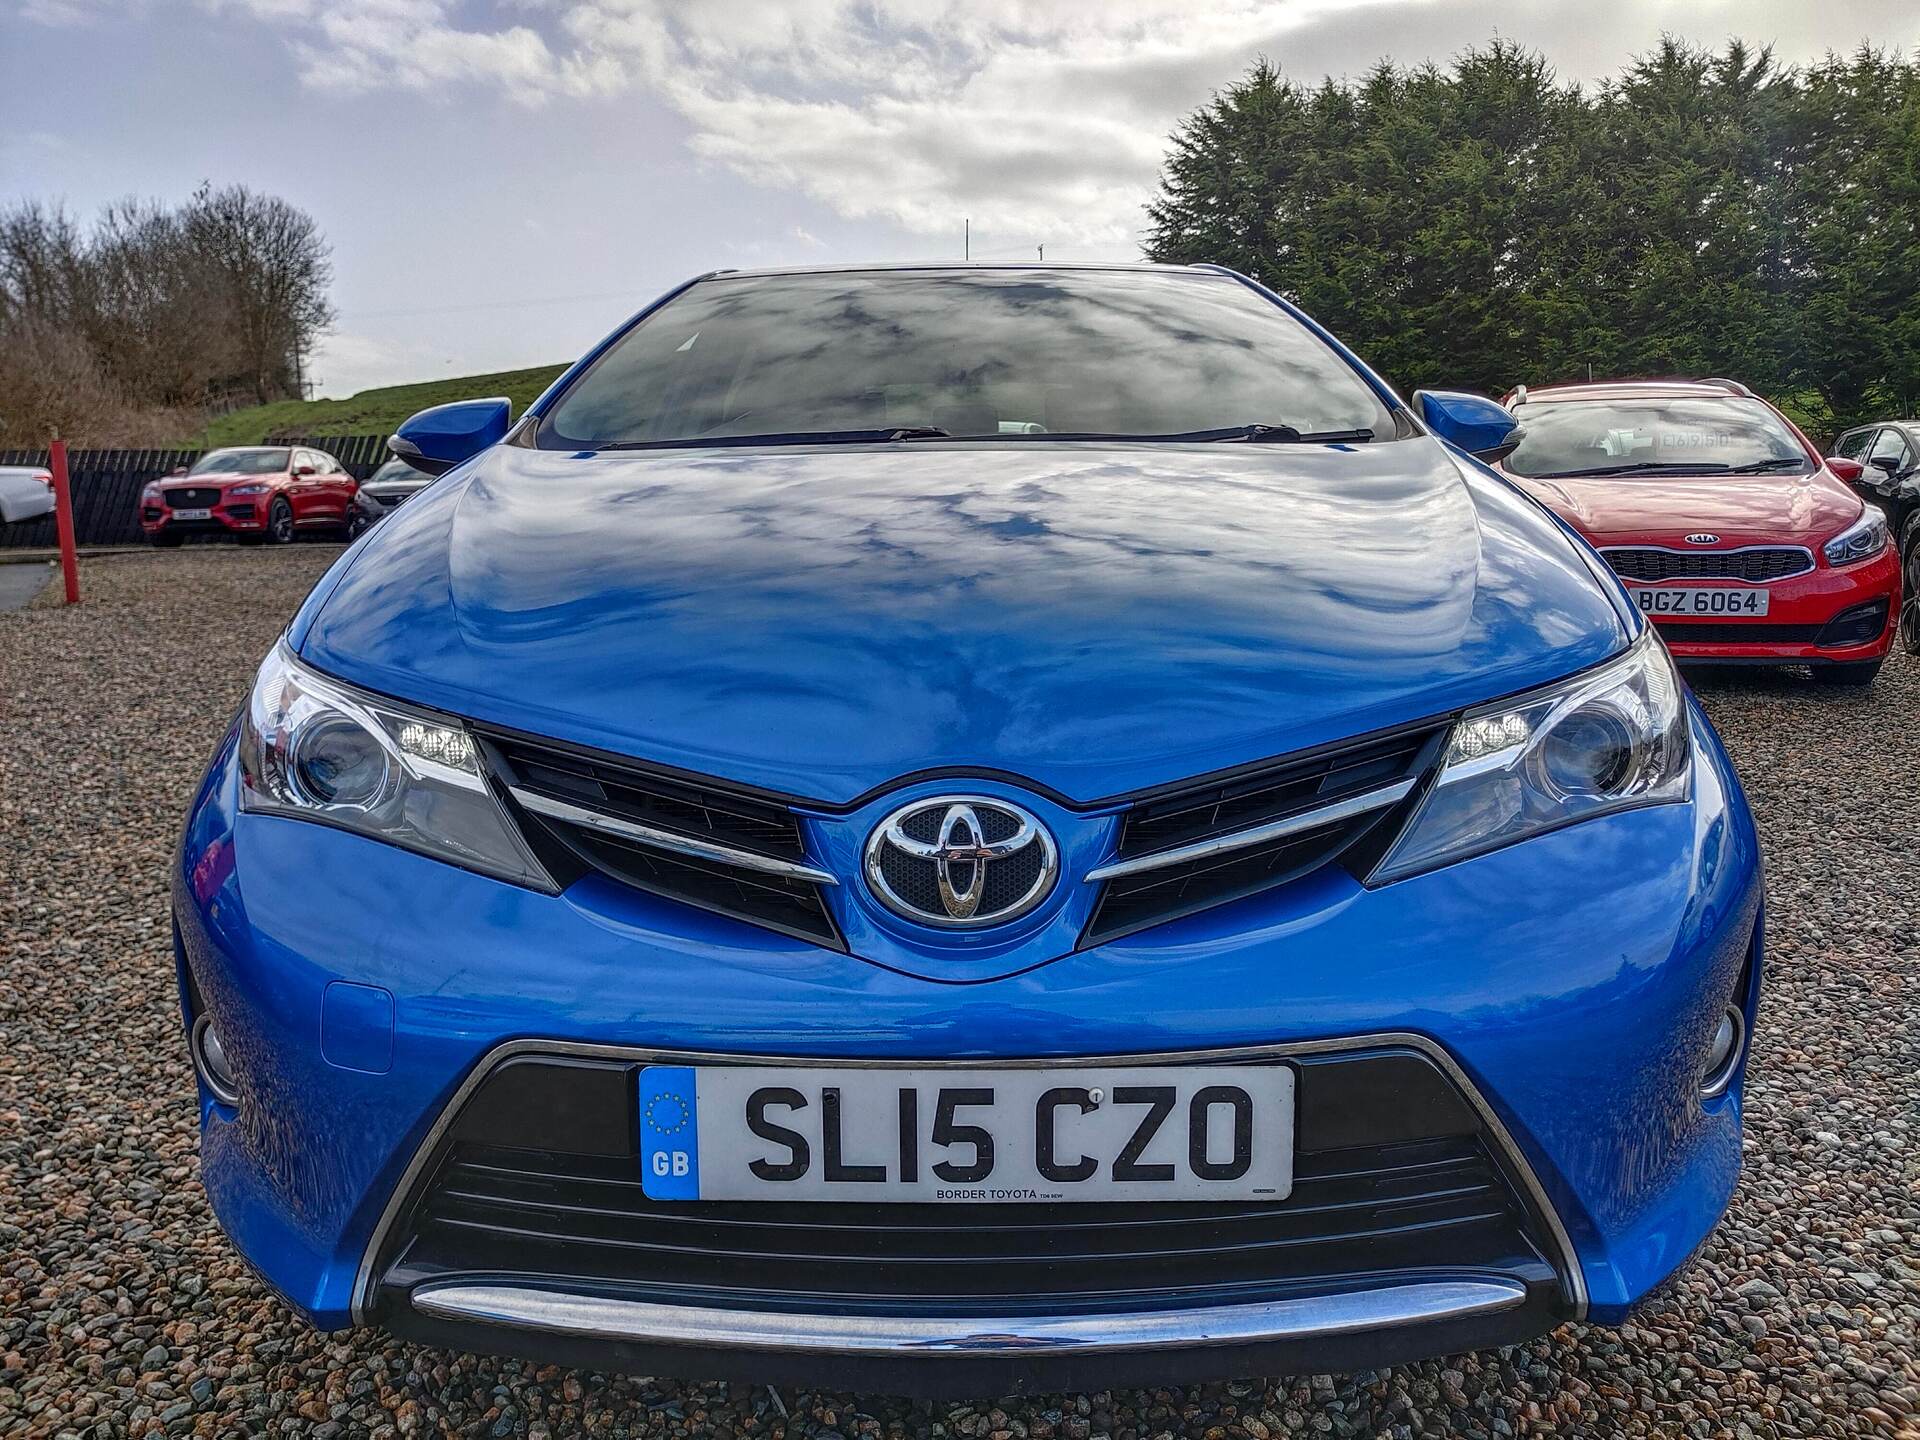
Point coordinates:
[[1760, 564], [607, 786], [203, 497], [1393, 1173], [1243, 802]]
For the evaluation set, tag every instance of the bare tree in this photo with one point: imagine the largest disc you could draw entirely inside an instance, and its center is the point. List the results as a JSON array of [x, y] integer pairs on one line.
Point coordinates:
[[127, 332], [277, 268]]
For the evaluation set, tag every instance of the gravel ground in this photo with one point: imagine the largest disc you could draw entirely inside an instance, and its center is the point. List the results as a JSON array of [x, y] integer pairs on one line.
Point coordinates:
[[124, 1312]]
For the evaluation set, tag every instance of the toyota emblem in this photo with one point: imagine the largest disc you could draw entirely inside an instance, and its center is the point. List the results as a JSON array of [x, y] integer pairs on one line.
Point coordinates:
[[961, 861]]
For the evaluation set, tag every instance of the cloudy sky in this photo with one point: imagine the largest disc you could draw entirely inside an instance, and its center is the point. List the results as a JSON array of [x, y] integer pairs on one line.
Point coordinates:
[[502, 180]]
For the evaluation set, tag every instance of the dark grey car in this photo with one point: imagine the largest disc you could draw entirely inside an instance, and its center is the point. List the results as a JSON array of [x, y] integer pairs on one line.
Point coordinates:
[[1888, 453], [393, 484]]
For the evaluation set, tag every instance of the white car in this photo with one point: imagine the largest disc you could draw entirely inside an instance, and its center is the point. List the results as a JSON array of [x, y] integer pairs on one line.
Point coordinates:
[[26, 493]]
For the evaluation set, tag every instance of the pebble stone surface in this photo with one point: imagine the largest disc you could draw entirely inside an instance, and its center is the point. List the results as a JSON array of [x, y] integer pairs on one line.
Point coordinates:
[[124, 1312]]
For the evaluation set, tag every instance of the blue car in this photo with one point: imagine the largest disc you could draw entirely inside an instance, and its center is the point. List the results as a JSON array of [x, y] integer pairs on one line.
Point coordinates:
[[968, 830]]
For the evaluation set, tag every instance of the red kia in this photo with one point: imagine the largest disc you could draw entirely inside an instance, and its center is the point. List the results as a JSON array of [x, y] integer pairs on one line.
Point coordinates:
[[1732, 533], [254, 493]]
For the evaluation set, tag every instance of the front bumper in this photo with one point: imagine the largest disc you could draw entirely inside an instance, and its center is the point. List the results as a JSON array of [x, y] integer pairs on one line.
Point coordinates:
[[1567, 986], [246, 516], [1812, 619]]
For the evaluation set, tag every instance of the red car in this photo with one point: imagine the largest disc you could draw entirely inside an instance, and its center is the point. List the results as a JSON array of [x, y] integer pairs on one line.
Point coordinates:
[[255, 493], [1730, 530]]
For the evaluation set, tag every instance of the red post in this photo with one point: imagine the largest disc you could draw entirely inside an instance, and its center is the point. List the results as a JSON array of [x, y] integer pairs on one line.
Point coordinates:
[[63, 521]]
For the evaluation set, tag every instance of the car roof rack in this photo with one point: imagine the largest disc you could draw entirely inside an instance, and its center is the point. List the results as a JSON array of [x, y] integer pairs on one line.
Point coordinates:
[[1733, 386]]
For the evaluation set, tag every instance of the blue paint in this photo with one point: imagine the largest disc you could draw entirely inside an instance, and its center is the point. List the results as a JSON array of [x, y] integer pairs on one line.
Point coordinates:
[[356, 1027]]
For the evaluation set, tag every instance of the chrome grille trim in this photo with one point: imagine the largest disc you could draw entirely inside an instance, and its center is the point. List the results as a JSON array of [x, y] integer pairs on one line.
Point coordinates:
[[669, 840], [1365, 802]]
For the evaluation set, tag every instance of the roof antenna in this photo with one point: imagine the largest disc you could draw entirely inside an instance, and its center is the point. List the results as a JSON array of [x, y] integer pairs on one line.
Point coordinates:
[[1043, 254], [966, 239]]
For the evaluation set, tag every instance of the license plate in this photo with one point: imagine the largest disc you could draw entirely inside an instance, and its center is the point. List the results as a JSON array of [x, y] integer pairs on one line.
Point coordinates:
[[1128, 1132], [1701, 600], [193, 514]]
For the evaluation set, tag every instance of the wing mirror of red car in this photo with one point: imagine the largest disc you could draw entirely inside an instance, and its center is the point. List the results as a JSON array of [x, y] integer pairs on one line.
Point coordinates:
[[1843, 467], [177, 470], [304, 470]]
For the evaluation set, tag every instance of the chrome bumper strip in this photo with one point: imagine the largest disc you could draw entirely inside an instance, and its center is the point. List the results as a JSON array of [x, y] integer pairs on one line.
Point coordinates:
[[1367, 800], [669, 840], [602, 1317]]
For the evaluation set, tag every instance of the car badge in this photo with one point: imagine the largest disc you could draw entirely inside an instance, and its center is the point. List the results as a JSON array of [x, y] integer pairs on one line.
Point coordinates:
[[958, 862], [1703, 538]]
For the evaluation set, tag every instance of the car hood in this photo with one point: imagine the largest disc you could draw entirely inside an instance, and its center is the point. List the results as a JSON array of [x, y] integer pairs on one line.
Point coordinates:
[[1746, 509], [820, 621]]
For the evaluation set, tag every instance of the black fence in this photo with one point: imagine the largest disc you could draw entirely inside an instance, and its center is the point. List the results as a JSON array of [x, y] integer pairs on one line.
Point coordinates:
[[106, 484]]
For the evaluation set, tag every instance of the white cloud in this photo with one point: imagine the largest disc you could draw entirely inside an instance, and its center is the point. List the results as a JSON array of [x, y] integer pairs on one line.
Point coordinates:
[[1035, 119]]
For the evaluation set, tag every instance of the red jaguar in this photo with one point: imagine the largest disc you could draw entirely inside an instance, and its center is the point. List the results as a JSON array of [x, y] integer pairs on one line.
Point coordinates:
[[1731, 532], [254, 493]]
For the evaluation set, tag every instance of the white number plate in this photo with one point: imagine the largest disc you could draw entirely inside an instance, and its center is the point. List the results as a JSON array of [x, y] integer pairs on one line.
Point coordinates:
[[193, 514], [1701, 600], [1135, 1132]]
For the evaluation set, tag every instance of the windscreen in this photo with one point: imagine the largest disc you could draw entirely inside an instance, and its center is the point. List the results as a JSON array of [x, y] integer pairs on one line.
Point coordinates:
[[396, 471], [240, 462], [1706, 435], [975, 354]]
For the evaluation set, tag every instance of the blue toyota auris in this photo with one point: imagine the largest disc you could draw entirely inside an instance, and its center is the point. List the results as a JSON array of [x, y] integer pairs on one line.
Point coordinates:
[[968, 829]]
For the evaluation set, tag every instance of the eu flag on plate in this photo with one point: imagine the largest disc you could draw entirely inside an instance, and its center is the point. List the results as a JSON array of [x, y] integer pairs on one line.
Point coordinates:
[[669, 1133]]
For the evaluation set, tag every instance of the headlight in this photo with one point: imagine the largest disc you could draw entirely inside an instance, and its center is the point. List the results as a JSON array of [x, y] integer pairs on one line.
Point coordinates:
[[1866, 537], [317, 749], [249, 490], [1609, 739]]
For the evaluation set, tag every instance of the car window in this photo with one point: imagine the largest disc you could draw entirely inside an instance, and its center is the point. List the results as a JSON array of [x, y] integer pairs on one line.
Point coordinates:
[[252, 461], [1891, 445], [1701, 435], [1853, 445], [996, 353]]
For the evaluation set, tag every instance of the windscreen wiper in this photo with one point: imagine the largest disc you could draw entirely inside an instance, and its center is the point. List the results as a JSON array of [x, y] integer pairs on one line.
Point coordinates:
[[1761, 467], [788, 437], [1243, 434], [1639, 467], [1279, 435]]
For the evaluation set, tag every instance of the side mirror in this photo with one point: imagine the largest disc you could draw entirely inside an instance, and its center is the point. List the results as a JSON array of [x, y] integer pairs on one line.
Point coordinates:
[[436, 440], [1846, 469], [1885, 464], [304, 470], [1474, 423]]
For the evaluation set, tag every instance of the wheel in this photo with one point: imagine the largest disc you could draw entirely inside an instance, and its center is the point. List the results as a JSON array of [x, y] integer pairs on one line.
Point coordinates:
[[1854, 676], [163, 540], [280, 521], [1910, 601]]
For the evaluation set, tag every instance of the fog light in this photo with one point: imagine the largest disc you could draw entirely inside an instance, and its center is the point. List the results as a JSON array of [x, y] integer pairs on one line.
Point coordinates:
[[210, 1061], [1857, 626], [1723, 1054]]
